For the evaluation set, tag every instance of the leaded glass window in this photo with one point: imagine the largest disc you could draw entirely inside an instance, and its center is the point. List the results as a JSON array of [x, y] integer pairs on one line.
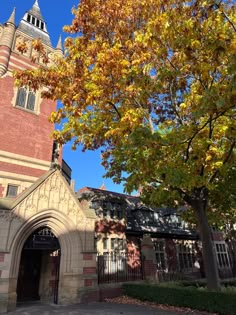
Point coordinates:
[[26, 98], [31, 100], [21, 97]]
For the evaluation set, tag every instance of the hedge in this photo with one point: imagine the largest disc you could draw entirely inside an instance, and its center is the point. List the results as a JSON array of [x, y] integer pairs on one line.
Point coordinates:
[[216, 302], [202, 282]]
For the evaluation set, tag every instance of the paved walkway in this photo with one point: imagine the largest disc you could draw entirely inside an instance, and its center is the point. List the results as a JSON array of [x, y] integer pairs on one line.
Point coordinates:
[[92, 309]]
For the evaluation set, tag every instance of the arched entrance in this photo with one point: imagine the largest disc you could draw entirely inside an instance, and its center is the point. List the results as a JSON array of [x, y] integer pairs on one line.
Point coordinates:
[[38, 276]]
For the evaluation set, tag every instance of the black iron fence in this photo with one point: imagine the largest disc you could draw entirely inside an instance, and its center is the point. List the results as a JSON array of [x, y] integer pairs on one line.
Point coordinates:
[[119, 267]]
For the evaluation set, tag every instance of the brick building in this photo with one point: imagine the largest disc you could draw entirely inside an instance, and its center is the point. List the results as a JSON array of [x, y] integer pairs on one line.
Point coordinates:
[[46, 238], [158, 238]]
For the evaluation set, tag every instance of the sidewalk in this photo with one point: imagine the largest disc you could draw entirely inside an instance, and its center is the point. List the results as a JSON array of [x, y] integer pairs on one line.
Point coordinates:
[[101, 308]]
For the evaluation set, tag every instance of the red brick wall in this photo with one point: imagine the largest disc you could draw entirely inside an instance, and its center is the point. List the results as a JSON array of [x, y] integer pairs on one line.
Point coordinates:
[[87, 256], [19, 169], [22, 132], [217, 236], [88, 282], [89, 270]]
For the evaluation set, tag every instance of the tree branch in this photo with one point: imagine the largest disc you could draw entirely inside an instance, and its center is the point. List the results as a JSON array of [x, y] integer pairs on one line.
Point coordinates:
[[225, 161], [115, 108]]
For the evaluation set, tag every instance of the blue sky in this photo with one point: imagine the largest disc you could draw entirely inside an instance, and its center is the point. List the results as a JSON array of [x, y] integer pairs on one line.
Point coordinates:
[[86, 167]]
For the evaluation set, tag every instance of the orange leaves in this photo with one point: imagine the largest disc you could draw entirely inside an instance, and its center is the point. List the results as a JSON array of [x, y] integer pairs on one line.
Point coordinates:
[[159, 67], [22, 47]]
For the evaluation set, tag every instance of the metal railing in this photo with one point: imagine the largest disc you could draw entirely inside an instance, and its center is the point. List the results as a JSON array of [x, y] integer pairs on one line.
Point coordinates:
[[119, 267]]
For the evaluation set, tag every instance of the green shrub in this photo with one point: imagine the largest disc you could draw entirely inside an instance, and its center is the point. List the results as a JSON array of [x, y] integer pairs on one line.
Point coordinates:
[[223, 303]]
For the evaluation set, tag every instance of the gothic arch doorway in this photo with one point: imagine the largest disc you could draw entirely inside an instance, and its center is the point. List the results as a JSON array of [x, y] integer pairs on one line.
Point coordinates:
[[38, 276]]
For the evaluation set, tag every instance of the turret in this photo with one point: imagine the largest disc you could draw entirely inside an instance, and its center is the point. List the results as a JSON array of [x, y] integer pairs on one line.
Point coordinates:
[[33, 24], [6, 42], [59, 48]]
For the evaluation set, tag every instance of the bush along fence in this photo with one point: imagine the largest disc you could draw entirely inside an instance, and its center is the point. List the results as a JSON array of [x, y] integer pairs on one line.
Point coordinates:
[[223, 303]]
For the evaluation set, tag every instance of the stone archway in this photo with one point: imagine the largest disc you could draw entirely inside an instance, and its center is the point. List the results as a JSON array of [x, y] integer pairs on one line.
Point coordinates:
[[49, 203], [39, 270], [70, 244]]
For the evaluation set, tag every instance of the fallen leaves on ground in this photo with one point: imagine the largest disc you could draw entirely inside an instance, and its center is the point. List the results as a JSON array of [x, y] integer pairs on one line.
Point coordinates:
[[128, 300]]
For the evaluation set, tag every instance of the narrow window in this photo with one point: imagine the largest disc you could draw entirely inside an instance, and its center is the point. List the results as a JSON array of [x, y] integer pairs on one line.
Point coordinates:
[[105, 244], [222, 255], [21, 97], [42, 26], [113, 243], [12, 190], [33, 20], [31, 100], [37, 22], [28, 18], [160, 254]]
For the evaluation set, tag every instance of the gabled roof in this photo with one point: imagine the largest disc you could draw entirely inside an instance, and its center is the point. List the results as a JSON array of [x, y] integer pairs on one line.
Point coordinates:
[[10, 203], [54, 179]]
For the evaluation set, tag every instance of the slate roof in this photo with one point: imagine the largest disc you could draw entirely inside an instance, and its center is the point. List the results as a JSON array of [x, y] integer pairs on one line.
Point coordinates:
[[35, 11], [33, 30], [142, 219]]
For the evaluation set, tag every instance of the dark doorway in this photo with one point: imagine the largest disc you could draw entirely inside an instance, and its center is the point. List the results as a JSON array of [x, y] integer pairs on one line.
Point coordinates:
[[29, 275], [39, 268]]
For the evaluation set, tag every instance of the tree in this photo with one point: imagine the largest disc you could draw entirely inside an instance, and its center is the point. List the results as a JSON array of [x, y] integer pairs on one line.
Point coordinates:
[[153, 84]]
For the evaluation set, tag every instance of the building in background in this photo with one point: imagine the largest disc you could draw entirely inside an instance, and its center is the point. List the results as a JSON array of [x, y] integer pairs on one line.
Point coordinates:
[[156, 238]]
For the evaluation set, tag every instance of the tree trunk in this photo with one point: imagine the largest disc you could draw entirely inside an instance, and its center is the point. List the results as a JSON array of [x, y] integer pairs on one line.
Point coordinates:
[[208, 250]]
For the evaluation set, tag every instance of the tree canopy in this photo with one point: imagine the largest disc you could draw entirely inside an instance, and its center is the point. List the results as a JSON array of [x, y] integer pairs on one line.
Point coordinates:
[[152, 83]]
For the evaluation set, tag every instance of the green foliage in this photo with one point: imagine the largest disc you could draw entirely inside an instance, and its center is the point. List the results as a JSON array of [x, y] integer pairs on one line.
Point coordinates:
[[223, 202], [225, 283], [219, 302]]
